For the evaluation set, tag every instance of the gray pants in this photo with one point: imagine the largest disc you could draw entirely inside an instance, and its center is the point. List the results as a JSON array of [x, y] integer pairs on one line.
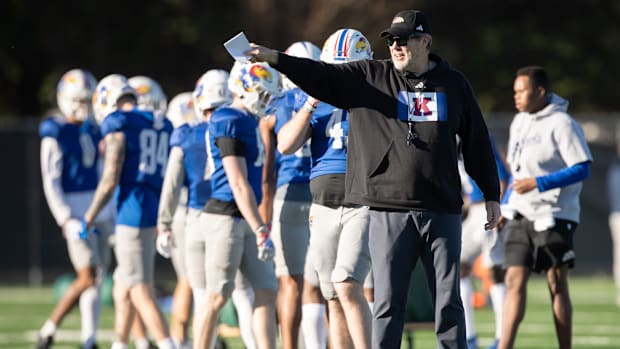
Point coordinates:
[[397, 240]]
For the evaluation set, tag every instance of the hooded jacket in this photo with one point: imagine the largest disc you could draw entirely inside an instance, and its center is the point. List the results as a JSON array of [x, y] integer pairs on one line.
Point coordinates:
[[402, 151], [539, 144]]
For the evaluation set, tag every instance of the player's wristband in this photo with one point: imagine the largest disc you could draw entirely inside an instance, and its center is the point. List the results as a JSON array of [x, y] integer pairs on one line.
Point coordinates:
[[262, 229], [309, 107]]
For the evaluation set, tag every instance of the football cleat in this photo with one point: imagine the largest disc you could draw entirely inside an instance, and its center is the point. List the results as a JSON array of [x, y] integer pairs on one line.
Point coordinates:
[[44, 342]]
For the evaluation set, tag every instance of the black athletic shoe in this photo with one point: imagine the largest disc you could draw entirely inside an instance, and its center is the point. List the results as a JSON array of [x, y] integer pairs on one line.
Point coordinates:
[[44, 342]]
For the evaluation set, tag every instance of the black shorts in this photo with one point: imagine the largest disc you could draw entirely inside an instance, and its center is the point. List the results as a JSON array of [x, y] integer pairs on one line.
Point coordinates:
[[539, 250]]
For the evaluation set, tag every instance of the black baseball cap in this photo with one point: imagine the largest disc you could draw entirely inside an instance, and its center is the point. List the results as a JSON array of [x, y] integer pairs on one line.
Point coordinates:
[[408, 23]]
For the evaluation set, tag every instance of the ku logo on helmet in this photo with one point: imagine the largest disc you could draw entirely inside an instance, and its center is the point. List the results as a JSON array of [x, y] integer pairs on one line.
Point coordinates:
[[143, 89], [187, 108], [260, 72], [69, 80], [102, 96], [361, 45]]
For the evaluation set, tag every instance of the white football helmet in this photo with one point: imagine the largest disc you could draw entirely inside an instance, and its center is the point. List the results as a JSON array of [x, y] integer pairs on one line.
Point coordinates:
[[234, 85], [304, 49], [150, 95], [259, 84], [74, 93], [346, 45], [211, 91], [107, 93], [181, 110]]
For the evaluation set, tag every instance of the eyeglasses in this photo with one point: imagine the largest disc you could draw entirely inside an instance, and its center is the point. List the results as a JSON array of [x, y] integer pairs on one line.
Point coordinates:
[[399, 41]]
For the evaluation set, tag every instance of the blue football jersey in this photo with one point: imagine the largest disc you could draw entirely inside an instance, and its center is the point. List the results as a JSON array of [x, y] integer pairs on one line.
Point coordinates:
[[228, 122], [328, 147], [146, 153], [292, 168], [79, 144], [193, 142]]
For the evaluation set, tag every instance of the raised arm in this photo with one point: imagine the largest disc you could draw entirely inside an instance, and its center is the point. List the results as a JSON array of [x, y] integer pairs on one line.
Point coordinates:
[[113, 164], [336, 84]]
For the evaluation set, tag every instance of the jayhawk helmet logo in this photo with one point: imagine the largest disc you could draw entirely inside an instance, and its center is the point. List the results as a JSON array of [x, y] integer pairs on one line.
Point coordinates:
[[101, 96], [143, 89], [361, 45], [259, 72]]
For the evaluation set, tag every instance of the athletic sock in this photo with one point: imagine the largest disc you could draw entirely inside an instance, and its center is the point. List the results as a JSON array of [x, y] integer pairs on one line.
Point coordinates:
[[244, 304], [314, 326], [498, 293], [467, 295], [89, 314], [199, 295]]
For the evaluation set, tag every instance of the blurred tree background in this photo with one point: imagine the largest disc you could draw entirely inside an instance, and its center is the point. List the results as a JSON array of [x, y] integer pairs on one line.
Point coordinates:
[[175, 41]]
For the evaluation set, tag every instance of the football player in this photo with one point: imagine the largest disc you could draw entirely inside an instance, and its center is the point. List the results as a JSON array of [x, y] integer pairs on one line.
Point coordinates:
[[188, 164], [477, 241], [69, 162], [136, 151], [286, 203], [152, 98], [238, 238], [338, 233]]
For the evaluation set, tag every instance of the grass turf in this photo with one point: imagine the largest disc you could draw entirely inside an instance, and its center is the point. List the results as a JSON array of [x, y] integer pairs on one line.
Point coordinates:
[[596, 319]]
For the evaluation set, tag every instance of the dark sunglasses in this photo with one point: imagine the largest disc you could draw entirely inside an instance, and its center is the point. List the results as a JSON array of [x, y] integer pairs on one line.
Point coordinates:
[[399, 41]]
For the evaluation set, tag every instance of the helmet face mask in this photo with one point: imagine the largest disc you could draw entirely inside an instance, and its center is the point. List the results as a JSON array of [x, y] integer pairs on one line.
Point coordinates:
[[151, 97], [74, 92], [346, 45], [107, 94], [211, 91], [259, 86]]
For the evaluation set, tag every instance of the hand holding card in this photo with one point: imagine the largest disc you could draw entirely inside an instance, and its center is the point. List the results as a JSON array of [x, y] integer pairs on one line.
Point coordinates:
[[237, 46]]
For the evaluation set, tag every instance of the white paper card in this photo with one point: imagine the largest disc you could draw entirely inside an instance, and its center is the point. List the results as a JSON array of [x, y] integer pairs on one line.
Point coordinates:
[[236, 46]]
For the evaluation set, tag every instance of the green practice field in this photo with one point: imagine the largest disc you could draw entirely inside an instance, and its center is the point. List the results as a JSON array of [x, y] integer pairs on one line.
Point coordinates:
[[596, 319]]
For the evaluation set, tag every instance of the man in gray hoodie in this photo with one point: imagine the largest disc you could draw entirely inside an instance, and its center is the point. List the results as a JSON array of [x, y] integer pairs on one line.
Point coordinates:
[[549, 157]]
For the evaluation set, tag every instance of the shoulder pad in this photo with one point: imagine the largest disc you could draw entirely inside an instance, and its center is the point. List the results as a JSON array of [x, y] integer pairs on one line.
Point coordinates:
[[50, 127]]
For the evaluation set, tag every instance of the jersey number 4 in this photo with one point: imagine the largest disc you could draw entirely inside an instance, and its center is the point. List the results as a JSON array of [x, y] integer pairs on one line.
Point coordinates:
[[334, 129], [153, 151]]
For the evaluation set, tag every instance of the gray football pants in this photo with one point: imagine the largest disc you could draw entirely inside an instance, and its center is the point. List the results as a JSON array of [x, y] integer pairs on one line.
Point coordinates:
[[397, 240]]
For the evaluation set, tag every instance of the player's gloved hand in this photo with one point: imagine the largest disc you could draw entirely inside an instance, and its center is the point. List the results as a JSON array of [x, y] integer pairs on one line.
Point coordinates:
[[75, 229], [266, 249], [164, 243]]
